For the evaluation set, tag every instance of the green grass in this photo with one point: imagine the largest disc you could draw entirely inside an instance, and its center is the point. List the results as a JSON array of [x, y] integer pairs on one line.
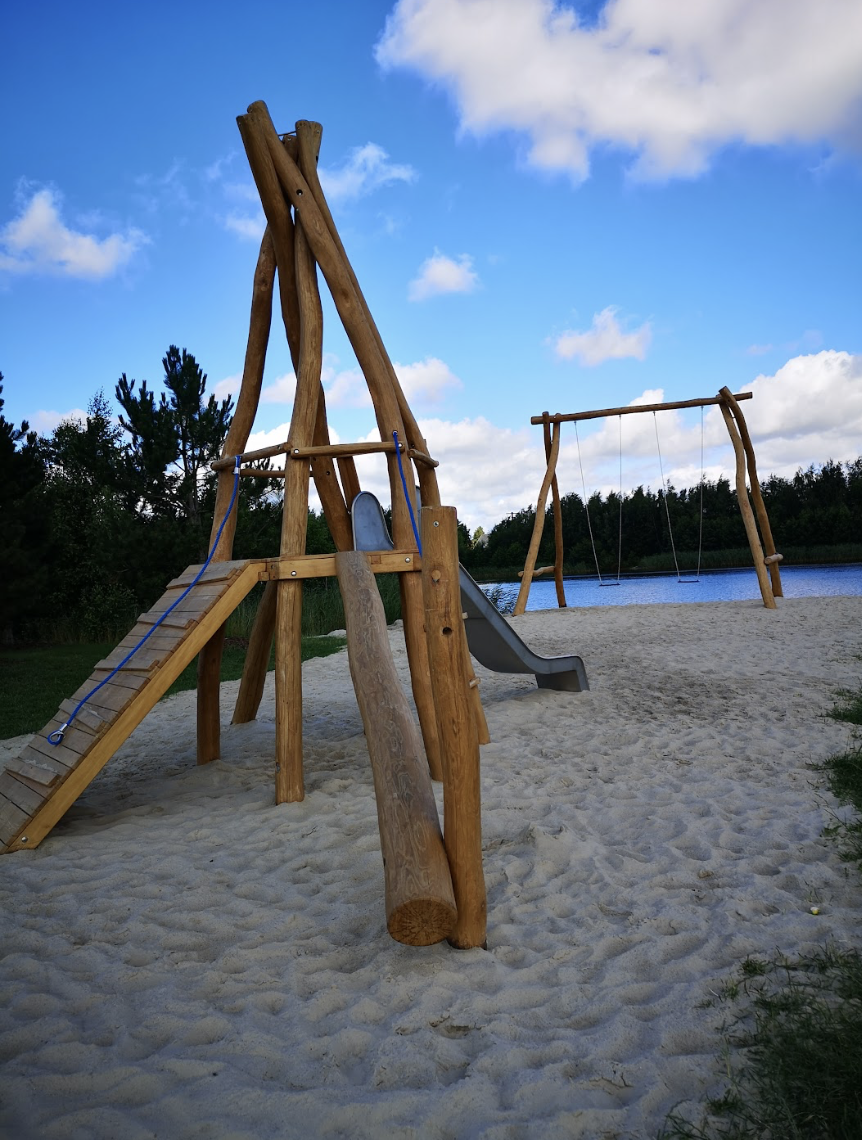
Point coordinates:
[[793, 1041], [34, 682], [793, 1048]]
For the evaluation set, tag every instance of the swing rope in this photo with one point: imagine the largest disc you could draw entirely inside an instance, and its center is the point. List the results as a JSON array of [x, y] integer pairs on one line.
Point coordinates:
[[406, 492], [587, 507], [666, 507], [620, 539], [700, 536], [56, 737]]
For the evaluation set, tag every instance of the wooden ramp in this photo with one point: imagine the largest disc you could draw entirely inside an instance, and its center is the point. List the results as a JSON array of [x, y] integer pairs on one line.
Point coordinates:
[[40, 785]]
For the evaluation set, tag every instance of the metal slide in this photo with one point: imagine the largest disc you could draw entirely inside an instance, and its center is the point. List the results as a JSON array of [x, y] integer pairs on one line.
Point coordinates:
[[491, 639]]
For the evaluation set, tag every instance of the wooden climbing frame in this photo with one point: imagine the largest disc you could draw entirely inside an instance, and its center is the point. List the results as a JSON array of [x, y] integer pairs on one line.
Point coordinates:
[[765, 564], [434, 880]]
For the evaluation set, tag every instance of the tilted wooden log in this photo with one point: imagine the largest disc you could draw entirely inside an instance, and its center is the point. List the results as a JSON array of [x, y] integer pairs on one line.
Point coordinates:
[[260, 320], [746, 511], [420, 903], [538, 525]]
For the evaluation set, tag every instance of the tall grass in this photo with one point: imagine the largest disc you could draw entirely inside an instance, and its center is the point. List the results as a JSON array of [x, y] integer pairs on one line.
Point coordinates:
[[793, 1040]]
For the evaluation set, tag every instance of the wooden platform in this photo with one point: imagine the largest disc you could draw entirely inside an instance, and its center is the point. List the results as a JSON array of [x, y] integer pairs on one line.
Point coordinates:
[[39, 786]]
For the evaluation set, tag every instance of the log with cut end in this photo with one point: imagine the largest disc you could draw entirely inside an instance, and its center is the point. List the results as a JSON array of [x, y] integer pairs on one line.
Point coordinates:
[[420, 903]]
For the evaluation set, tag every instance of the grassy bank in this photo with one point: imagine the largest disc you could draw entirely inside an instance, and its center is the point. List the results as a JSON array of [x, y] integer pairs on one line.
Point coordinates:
[[34, 681], [792, 1045]]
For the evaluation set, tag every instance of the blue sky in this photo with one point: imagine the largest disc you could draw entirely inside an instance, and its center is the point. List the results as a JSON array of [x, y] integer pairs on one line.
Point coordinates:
[[547, 207]]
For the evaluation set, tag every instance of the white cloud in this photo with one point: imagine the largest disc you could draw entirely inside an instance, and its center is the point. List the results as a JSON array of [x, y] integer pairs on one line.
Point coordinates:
[[280, 391], [427, 381], [605, 340], [230, 386], [38, 241], [366, 169], [44, 422], [472, 475], [345, 388], [440, 274], [668, 83], [809, 411], [244, 225]]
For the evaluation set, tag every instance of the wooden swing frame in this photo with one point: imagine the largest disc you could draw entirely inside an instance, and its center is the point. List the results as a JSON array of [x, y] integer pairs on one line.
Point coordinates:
[[765, 564]]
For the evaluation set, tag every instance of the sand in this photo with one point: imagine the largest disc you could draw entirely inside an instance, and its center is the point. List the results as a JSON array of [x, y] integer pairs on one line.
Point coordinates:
[[183, 959]]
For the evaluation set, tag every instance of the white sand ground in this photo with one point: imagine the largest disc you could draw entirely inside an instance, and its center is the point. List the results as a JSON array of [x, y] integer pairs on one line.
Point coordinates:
[[185, 960]]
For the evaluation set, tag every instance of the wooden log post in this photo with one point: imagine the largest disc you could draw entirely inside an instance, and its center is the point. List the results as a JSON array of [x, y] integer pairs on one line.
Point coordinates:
[[420, 902], [379, 377], [772, 559], [306, 135], [558, 522], [539, 524], [462, 811], [288, 628], [256, 658], [746, 511], [209, 660]]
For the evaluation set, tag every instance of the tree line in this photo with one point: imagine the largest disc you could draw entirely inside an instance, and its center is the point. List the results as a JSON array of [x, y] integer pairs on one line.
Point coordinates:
[[97, 516], [816, 508]]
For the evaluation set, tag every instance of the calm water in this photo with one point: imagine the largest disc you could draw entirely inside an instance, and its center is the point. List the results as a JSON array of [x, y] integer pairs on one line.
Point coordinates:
[[713, 586]]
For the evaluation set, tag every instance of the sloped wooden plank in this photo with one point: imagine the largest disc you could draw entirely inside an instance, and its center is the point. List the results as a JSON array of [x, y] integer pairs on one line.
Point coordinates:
[[12, 820], [215, 572], [43, 790], [37, 773], [161, 635], [77, 736], [145, 660], [193, 607], [127, 679], [88, 716], [176, 620], [57, 764], [20, 795], [201, 590], [131, 716], [66, 756]]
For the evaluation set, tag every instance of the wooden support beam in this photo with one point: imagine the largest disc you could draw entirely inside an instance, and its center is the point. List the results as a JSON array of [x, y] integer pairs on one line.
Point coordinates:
[[420, 903], [756, 495], [746, 511], [538, 525], [260, 320], [630, 409], [462, 811]]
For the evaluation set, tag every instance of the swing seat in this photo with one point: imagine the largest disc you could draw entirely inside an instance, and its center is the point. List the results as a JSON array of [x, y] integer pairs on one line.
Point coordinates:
[[490, 638]]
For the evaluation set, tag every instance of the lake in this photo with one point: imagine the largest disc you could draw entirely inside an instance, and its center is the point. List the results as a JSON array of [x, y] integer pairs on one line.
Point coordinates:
[[659, 589]]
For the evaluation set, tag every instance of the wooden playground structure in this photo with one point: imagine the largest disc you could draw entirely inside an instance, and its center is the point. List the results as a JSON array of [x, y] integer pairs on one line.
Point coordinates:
[[765, 564], [434, 880]]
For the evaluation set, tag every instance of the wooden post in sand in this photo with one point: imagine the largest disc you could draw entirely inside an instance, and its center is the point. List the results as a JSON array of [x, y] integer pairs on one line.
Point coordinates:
[[209, 661], [420, 903], [462, 801], [538, 525], [746, 511], [772, 559]]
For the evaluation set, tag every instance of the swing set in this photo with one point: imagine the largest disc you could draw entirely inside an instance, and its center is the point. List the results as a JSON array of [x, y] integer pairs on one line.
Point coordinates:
[[756, 520]]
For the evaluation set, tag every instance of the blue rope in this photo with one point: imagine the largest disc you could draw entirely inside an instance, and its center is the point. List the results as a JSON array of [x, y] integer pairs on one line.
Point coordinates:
[[406, 492], [56, 737]]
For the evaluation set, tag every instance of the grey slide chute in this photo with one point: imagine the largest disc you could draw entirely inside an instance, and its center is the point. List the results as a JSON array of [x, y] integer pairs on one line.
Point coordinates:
[[491, 639]]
